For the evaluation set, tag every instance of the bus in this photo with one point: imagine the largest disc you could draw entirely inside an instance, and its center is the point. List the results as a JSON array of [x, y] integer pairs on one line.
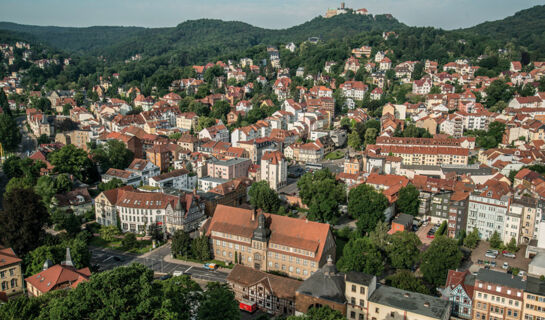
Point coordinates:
[[314, 166], [247, 306]]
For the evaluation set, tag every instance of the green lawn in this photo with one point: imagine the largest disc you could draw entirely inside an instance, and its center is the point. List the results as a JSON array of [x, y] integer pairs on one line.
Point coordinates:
[[143, 246], [334, 155]]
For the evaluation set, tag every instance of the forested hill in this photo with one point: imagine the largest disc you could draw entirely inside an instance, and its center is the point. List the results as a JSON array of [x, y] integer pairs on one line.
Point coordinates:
[[73, 39], [216, 37], [526, 28]]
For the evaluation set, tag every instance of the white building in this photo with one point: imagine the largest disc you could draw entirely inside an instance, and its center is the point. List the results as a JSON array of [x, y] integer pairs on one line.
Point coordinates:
[[144, 168], [208, 183], [488, 210], [179, 179], [274, 169]]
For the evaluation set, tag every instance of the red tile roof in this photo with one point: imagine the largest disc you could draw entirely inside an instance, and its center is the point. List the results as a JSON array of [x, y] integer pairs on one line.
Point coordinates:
[[50, 279], [296, 233], [8, 257]]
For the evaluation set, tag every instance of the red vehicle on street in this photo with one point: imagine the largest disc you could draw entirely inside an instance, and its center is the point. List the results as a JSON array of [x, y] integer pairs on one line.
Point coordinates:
[[247, 306]]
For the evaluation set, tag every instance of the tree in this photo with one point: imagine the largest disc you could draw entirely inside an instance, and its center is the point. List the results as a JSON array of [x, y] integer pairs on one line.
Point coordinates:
[[379, 236], [181, 244], [442, 255], [322, 193], [200, 248], [406, 280], [218, 297], [472, 239], [22, 220], [495, 240], [361, 255], [354, 140], [263, 197], [45, 188], [442, 229], [129, 241], [18, 183], [367, 206], [402, 250], [109, 233], [512, 245], [112, 154], [81, 257], [10, 136], [72, 160], [498, 90], [319, 313], [205, 122], [112, 184], [4, 103], [408, 201], [370, 136], [220, 109], [43, 139]]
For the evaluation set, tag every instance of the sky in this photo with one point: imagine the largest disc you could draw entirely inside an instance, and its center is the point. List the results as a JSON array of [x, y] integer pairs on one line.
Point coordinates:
[[276, 14]]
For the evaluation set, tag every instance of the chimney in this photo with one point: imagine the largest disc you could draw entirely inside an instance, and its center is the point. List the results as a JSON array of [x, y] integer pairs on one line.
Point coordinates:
[[68, 260], [254, 214], [306, 220], [342, 5]]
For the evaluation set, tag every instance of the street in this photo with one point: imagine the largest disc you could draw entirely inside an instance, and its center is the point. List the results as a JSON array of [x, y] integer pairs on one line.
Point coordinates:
[[109, 259]]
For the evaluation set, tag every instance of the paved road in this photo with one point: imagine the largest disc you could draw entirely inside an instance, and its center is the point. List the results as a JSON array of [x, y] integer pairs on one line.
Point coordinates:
[[109, 259]]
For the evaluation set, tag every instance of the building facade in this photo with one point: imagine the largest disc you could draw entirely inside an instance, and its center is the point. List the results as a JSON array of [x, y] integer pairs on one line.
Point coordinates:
[[269, 242], [11, 275]]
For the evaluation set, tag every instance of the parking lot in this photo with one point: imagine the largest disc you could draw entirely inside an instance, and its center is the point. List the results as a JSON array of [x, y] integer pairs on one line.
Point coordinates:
[[479, 254]]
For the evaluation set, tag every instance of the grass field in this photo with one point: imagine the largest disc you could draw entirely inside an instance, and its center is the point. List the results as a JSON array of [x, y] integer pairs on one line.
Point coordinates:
[[334, 155]]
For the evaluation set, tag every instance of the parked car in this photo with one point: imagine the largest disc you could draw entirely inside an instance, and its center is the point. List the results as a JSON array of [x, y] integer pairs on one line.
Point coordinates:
[[521, 273], [505, 266], [509, 255], [425, 223], [177, 273], [493, 264], [165, 277], [210, 266], [496, 252], [491, 255]]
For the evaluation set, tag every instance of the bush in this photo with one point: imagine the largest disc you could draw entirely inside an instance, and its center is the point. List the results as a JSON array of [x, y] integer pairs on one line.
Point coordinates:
[[129, 241]]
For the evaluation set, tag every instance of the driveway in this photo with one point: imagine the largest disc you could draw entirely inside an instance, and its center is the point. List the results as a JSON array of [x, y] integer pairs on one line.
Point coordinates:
[[108, 259], [422, 234]]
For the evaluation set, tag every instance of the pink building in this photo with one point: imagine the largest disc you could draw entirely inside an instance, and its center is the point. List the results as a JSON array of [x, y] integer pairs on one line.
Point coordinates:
[[229, 169]]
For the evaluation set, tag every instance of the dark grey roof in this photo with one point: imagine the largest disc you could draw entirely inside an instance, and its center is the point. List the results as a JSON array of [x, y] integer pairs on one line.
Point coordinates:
[[359, 277], [500, 278], [535, 286], [471, 169], [404, 219], [326, 283], [418, 303]]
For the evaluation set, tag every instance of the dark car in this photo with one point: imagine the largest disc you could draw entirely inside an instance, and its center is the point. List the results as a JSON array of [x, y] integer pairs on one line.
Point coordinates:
[[116, 258], [165, 277]]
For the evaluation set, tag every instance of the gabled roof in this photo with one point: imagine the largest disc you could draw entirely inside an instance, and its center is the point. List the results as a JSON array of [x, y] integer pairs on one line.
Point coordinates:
[[280, 287], [8, 257], [57, 275]]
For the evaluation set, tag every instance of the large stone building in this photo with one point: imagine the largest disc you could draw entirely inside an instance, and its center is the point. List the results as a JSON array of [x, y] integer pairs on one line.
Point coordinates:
[[138, 210], [273, 294], [11, 276], [269, 242], [274, 169], [534, 299]]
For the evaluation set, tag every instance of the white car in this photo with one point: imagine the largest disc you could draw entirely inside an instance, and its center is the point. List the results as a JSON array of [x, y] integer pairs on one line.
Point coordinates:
[[177, 273], [505, 266]]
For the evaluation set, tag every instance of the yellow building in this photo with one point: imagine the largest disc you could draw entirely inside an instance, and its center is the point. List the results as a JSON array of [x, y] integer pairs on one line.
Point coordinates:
[[534, 299], [497, 295], [358, 289], [11, 277]]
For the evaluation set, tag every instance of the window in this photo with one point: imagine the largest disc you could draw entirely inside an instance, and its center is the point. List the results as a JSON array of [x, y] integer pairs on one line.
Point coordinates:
[[362, 290], [13, 283], [353, 288], [352, 315], [353, 300]]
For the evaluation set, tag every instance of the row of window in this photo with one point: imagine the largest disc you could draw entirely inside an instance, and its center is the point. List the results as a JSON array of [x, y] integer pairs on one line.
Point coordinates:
[[4, 273], [6, 285]]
